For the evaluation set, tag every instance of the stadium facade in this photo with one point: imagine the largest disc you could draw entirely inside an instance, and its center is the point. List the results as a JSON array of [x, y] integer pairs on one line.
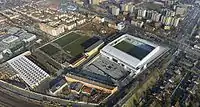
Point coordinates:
[[132, 53]]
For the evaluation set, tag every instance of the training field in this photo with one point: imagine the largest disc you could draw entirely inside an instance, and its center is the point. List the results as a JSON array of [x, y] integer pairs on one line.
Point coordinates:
[[66, 39], [49, 49], [69, 44]]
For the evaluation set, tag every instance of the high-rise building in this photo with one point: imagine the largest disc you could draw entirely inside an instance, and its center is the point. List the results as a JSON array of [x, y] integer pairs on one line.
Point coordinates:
[[94, 2], [168, 21], [144, 13], [172, 21], [149, 14], [163, 19], [131, 8], [158, 15], [153, 16], [115, 11], [124, 7], [141, 13], [176, 22]]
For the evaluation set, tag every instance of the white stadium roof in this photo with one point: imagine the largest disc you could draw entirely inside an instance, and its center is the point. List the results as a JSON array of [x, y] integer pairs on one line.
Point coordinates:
[[28, 71], [135, 43]]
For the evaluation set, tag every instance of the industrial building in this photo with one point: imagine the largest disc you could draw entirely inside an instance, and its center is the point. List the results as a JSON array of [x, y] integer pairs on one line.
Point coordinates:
[[29, 72], [58, 86], [13, 42], [132, 53]]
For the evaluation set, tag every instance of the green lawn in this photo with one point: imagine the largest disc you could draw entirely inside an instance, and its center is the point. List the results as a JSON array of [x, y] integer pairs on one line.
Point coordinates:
[[132, 50], [49, 49], [67, 39], [70, 43], [75, 47]]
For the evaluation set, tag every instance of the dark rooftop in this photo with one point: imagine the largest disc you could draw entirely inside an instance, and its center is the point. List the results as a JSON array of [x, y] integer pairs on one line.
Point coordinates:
[[91, 76]]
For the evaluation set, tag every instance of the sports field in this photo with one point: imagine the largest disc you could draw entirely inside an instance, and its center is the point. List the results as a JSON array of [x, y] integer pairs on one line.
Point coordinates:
[[49, 49], [138, 51], [69, 45], [74, 48], [68, 38]]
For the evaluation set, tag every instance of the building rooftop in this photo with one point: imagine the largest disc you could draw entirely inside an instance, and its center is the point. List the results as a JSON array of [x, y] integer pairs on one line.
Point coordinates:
[[104, 67], [13, 41], [58, 84], [76, 86], [27, 70]]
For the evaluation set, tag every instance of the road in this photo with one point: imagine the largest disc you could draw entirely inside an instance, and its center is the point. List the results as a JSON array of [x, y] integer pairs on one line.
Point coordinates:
[[10, 101], [186, 29]]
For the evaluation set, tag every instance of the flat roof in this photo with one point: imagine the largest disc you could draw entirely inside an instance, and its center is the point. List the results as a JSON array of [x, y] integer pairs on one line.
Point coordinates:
[[28, 71], [133, 51], [104, 67], [59, 84]]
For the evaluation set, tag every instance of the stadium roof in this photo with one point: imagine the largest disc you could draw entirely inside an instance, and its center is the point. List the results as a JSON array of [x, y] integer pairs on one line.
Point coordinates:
[[133, 51]]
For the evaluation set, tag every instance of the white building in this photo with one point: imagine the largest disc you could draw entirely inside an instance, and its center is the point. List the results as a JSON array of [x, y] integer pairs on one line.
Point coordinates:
[[94, 2], [124, 7], [120, 25], [155, 16], [149, 14], [131, 8], [28, 71], [137, 23], [132, 53], [115, 11], [10, 39], [180, 10], [163, 19], [141, 13], [197, 46], [176, 22]]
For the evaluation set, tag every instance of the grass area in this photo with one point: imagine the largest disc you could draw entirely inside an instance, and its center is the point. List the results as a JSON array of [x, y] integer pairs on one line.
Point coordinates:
[[67, 39], [132, 50], [141, 88], [75, 48], [151, 81], [67, 48], [49, 49]]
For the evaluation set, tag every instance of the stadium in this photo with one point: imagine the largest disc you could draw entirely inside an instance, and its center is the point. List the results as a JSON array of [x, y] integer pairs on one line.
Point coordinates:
[[119, 62], [132, 53]]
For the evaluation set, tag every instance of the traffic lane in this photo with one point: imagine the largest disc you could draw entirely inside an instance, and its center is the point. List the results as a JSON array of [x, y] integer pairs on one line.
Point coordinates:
[[9, 101]]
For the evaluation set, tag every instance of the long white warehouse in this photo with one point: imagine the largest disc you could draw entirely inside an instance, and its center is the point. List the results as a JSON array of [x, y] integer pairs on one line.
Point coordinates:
[[28, 71]]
